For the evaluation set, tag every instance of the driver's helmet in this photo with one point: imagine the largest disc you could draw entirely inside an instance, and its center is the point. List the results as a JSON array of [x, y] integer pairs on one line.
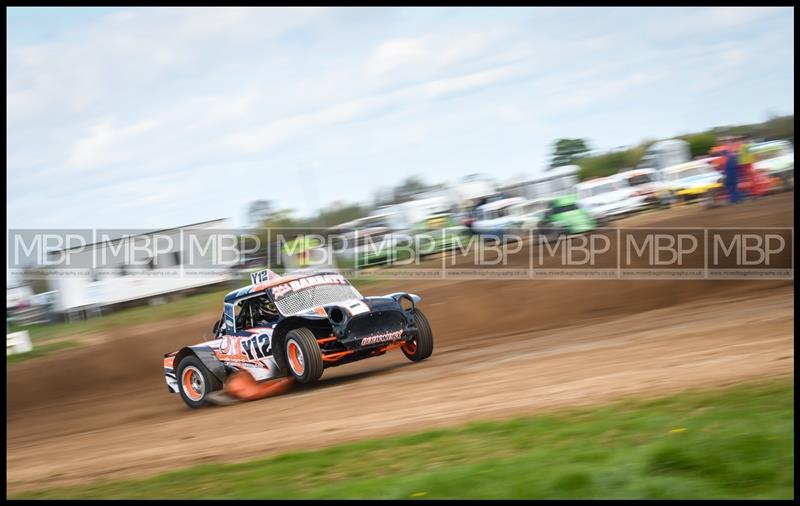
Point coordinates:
[[266, 308]]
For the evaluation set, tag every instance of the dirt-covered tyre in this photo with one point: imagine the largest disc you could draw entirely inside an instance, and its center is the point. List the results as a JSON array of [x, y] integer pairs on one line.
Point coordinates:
[[421, 347], [303, 356], [195, 382], [550, 234], [709, 200]]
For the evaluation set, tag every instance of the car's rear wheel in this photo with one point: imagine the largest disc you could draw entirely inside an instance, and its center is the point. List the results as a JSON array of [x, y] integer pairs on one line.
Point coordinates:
[[303, 356], [551, 233], [421, 347], [195, 382]]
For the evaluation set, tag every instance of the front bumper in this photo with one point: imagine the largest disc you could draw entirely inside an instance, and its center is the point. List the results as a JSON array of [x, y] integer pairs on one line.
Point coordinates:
[[697, 190], [376, 329]]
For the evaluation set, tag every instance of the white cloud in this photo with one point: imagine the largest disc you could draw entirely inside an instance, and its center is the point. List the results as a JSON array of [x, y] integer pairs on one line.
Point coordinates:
[[438, 52], [263, 138], [107, 145], [397, 53]]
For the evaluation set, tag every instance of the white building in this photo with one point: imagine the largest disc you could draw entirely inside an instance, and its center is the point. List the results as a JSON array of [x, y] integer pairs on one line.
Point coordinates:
[[143, 266], [667, 153], [556, 182]]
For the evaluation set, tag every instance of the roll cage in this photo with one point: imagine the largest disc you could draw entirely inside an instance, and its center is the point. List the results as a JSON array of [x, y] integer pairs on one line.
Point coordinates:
[[232, 322]]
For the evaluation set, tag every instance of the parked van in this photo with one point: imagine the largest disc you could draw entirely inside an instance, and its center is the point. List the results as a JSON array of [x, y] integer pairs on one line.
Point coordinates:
[[501, 217], [775, 159], [607, 198], [646, 183]]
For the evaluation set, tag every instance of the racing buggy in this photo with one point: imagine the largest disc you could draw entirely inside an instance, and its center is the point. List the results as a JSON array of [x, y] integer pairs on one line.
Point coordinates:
[[289, 328]]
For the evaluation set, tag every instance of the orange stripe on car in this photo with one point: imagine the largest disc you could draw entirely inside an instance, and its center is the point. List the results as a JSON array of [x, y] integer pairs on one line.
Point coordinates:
[[333, 357]]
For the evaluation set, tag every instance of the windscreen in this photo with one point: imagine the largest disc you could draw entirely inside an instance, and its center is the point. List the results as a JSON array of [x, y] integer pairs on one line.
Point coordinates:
[[598, 190], [306, 293], [639, 179], [697, 171], [768, 153], [563, 208]]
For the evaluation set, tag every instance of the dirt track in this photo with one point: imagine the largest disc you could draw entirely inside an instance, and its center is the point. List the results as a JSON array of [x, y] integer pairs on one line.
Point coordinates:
[[502, 347]]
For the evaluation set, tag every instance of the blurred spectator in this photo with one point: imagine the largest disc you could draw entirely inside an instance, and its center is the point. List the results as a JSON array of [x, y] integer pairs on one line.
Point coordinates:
[[731, 174], [756, 183]]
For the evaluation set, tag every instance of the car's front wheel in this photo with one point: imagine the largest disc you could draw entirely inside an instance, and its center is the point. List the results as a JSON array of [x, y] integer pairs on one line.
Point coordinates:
[[195, 382], [303, 356], [421, 347], [551, 234]]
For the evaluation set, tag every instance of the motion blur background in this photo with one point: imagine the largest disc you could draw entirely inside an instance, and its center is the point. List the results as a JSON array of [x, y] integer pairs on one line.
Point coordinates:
[[382, 123]]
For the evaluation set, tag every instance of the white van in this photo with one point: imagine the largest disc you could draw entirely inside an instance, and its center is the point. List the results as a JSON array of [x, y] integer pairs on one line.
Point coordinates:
[[500, 217], [606, 198], [775, 158], [646, 183]]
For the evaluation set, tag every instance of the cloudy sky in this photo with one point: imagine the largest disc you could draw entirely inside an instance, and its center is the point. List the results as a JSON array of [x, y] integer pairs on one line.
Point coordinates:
[[158, 117]]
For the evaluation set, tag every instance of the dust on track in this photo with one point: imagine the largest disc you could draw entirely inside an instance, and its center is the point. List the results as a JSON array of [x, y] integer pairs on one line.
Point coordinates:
[[503, 348]]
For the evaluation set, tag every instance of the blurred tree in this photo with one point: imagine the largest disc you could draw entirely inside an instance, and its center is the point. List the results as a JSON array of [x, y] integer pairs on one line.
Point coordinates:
[[700, 144], [411, 186], [383, 196], [611, 162], [258, 211], [339, 212], [567, 151], [777, 127], [282, 218]]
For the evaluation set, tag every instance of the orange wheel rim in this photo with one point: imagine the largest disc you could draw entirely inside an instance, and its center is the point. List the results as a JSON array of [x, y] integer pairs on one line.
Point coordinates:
[[410, 347], [193, 383], [296, 358]]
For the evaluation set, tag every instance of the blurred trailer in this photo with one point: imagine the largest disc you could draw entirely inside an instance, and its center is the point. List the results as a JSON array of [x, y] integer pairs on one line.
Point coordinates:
[[126, 271], [473, 190], [557, 182], [667, 153]]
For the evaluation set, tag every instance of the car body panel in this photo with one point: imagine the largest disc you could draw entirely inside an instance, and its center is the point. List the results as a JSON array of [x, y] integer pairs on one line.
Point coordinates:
[[692, 179], [774, 158], [608, 197], [574, 220], [514, 215]]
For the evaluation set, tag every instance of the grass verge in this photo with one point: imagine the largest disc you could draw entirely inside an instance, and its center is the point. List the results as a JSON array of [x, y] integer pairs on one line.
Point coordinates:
[[731, 443], [40, 350]]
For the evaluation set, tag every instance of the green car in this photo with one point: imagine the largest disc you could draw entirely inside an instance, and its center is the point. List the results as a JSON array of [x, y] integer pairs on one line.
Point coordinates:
[[564, 217], [369, 248], [441, 231]]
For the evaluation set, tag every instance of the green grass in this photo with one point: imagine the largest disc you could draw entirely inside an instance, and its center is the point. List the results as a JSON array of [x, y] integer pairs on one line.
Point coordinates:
[[732, 443], [40, 350]]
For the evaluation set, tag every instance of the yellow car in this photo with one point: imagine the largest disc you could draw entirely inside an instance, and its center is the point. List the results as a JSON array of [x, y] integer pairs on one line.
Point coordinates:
[[691, 180]]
